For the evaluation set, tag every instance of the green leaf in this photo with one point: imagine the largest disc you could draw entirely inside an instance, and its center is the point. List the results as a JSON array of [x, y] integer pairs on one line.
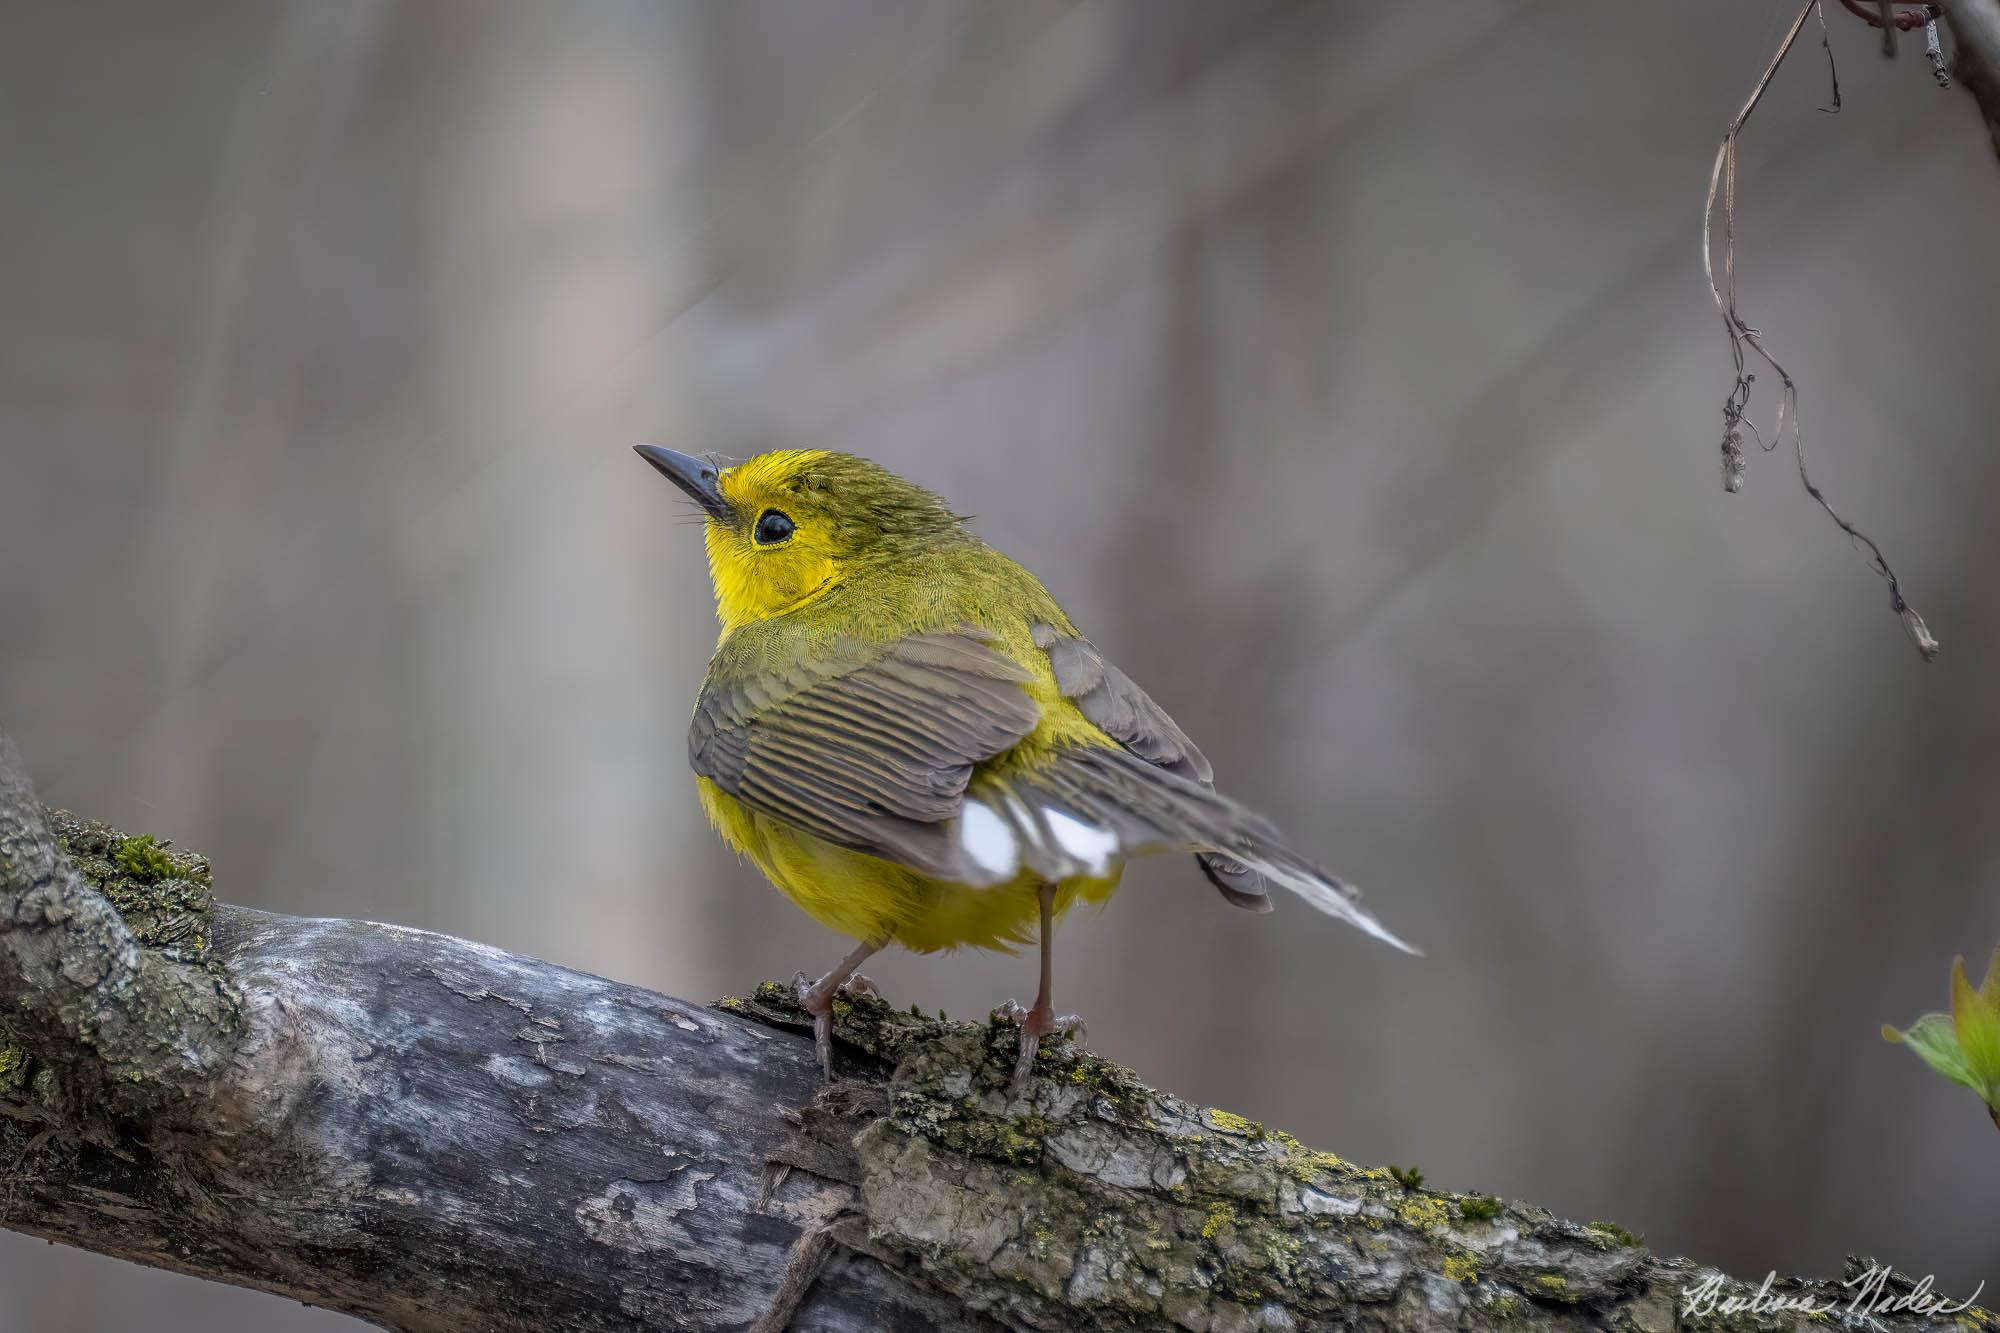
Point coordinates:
[[1976, 1021], [1989, 989], [1936, 1044]]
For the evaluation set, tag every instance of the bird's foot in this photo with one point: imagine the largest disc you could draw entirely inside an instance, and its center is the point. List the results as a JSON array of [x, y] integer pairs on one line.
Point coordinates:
[[818, 1001], [816, 998], [1037, 1023]]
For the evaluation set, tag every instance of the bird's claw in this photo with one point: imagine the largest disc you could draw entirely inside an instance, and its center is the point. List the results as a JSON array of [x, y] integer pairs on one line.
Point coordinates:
[[819, 1004], [1071, 1026], [816, 998], [1037, 1023]]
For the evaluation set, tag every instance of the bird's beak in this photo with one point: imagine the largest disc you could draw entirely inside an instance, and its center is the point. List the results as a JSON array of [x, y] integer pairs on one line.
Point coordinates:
[[697, 476]]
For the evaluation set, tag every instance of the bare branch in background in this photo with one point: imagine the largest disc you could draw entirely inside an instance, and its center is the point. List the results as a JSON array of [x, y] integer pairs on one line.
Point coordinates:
[[1975, 35], [1735, 408]]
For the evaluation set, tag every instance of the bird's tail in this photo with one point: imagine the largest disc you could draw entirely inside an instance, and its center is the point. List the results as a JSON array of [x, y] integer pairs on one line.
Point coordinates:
[[1093, 807]]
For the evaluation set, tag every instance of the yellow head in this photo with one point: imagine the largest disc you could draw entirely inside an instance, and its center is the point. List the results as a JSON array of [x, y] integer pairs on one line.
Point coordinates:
[[787, 527]]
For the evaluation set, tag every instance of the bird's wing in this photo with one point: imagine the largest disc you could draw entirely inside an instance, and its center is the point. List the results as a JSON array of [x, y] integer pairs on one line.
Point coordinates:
[[1090, 806], [1115, 704], [868, 746]]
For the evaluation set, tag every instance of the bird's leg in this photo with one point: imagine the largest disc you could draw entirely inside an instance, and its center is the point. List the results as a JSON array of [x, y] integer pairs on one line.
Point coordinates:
[[816, 998], [1042, 1020]]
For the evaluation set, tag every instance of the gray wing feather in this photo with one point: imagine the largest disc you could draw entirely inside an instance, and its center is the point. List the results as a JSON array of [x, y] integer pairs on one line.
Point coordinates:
[[866, 746], [1115, 703]]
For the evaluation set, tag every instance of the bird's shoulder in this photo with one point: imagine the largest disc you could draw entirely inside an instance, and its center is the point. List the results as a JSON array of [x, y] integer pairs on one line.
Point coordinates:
[[973, 594], [992, 612]]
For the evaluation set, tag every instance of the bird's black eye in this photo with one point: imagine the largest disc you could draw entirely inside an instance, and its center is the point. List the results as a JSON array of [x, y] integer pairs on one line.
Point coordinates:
[[772, 526]]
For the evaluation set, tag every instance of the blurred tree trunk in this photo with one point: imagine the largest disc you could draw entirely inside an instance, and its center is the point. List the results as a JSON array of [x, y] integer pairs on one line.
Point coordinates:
[[434, 1135], [1975, 29]]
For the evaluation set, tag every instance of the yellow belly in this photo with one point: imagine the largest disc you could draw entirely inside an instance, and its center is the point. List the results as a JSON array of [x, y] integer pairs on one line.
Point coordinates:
[[872, 899]]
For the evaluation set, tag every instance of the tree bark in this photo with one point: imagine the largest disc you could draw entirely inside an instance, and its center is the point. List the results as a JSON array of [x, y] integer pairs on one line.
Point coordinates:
[[1975, 34], [434, 1135]]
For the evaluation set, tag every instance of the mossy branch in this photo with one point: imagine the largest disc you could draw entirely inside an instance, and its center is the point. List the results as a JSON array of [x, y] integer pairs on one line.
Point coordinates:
[[433, 1135], [1092, 1201], [109, 1001]]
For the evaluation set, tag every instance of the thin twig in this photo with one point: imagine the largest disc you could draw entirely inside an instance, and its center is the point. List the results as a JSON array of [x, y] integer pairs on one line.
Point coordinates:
[[1735, 419], [1826, 45]]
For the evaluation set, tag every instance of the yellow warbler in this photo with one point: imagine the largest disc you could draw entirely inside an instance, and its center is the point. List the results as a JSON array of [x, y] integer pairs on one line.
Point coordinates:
[[912, 741]]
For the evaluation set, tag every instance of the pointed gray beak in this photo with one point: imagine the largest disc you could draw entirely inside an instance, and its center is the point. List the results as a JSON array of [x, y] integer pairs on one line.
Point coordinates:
[[697, 476]]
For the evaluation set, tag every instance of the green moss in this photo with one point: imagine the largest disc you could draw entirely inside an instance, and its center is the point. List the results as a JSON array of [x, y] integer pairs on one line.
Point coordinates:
[[1409, 1177], [1479, 1208], [1618, 1236], [1220, 1215], [143, 858], [14, 1068], [1461, 1268], [163, 894], [164, 899]]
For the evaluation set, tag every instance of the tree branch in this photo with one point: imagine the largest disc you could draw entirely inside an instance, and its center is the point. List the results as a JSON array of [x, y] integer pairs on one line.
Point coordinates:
[[115, 1027], [438, 1136], [1975, 33]]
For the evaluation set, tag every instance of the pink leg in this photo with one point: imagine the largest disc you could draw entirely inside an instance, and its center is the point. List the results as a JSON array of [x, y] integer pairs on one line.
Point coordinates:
[[816, 998], [1042, 1020]]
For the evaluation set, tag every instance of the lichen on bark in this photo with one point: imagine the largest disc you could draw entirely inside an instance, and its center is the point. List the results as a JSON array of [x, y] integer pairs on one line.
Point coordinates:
[[165, 895], [114, 1004], [432, 1134], [1090, 1201]]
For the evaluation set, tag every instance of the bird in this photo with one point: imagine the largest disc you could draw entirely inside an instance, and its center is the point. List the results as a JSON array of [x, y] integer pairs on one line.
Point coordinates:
[[905, 732]]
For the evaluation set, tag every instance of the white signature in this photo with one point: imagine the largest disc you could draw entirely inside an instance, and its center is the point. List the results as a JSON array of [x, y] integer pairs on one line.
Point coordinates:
[[1871, 1297]]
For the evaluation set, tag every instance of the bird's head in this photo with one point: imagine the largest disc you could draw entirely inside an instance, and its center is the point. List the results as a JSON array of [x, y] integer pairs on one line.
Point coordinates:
[[786, 527]]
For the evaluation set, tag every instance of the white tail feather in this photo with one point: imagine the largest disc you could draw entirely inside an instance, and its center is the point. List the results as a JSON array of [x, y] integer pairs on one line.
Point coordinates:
[[1336, 899], [1096, 808]]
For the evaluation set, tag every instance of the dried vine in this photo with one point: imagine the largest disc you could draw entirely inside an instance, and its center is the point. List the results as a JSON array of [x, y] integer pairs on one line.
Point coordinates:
[[1735, 408]]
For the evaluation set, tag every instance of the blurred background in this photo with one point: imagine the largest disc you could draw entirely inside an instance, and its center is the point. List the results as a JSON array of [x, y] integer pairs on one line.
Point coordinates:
[[1347, 369]]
